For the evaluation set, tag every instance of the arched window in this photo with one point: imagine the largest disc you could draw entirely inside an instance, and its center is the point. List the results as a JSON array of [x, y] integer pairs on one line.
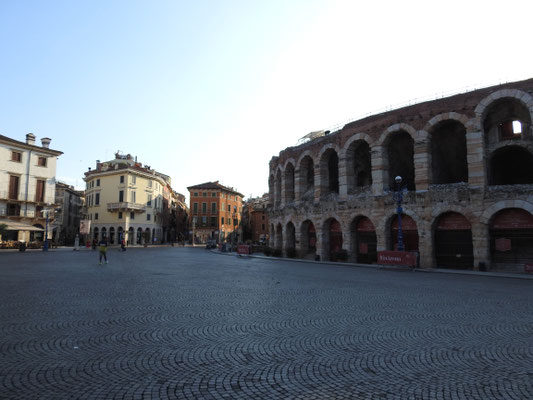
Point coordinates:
[[401, 159], [448, 153], [511, 165]]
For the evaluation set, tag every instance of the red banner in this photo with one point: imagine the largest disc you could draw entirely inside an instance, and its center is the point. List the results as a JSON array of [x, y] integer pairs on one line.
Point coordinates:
[[528, 268], [243, 249], [397, 258]]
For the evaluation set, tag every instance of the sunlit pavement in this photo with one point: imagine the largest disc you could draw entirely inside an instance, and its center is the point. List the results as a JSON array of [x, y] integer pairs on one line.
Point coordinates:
[[185, 323]]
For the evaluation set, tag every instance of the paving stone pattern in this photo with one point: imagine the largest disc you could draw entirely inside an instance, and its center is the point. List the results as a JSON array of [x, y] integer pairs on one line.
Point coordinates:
[[184, 323]]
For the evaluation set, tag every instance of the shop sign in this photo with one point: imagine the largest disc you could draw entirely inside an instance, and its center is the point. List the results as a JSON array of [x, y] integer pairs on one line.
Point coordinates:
[[390, 257], [243, 249]]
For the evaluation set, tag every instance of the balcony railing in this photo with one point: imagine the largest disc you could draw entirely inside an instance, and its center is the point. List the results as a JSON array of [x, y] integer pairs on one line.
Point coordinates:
[[125, 206]]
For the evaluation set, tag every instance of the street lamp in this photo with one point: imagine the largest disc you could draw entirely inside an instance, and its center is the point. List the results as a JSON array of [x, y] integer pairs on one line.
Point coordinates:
[[45, 244], [398, 197]]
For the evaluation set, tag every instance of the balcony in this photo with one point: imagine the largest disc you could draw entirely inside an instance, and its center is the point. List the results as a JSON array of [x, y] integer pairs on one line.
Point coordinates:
[[126, 206]]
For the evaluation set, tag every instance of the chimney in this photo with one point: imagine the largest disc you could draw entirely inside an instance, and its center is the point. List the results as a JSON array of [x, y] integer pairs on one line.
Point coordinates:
[[30, 139], [46, 142]]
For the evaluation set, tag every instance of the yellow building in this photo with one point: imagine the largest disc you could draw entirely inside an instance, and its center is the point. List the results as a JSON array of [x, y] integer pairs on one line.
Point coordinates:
[[126, 200]]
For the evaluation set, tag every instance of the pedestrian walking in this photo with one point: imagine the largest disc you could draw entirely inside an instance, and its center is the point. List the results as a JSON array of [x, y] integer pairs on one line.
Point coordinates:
[[123, 245], [103, 250]]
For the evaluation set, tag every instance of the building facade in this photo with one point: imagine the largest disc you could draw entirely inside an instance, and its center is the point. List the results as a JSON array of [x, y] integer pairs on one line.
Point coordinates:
[[69, 213], [127, 200], [215, 212], [255, 219], [466, 164], [27, 187]]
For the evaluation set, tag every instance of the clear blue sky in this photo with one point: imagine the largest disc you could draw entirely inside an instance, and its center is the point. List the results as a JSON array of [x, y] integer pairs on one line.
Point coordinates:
[[211, 90]]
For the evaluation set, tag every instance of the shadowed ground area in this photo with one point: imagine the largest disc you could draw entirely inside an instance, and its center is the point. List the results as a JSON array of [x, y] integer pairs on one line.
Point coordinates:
[[189, 324]]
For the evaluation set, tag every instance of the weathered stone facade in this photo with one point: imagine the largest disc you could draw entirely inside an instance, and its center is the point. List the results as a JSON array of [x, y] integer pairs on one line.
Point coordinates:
[[466, 161]]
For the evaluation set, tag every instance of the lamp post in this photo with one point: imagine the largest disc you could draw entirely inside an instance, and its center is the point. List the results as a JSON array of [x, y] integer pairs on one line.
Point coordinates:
[[45, 244], [398, 197]]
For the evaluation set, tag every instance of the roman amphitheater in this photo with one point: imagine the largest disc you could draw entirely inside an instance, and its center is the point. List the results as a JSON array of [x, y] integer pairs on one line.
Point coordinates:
[[466, 163]]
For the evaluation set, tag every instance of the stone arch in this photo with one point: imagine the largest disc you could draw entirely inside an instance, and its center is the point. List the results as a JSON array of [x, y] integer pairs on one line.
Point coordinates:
[[308, 239], [329, 169], [363, 240], [289, 181], [357, 158], [331, 238], [452, 116], [452, 241], [277, 187], [290, 239], [511, 165], [385, 224], [279, 237], [493, 209], [354, 138], [305, 179], [496, 112], [139, 239], [399, 149], [112, 235], [271, 188], [448, 137], [385, 135]]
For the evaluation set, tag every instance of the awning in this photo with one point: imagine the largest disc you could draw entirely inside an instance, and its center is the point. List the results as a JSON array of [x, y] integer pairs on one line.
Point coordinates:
[[19, 226]]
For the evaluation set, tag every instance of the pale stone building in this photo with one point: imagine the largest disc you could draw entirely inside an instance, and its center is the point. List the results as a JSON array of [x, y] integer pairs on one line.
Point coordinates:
[[125, 199], [466, 162], [27, 187], [70, 211]]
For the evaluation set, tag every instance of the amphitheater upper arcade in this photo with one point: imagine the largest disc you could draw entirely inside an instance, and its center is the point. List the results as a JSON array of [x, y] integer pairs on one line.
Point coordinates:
[[459, 157]]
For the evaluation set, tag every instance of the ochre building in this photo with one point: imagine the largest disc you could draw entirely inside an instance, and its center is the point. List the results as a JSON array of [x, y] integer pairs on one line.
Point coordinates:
[[215, 212], [466, 163]]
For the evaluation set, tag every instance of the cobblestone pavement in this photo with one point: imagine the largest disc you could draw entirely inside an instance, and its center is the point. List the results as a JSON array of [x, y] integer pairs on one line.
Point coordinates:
[[188, 324]]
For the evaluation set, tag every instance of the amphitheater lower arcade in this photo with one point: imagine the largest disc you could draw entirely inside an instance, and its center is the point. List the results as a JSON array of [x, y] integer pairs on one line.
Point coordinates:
[[466, 163]]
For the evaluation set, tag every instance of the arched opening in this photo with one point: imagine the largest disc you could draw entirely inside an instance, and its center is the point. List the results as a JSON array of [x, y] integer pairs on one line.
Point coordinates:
[[139, 235], [104, 233], [332, 243], [95, 234], [409, 233], [289, 183], [329, 172], [111, 235], [307, 178], [271, 190], [131, 236], [511, 165], [364, 241], [290, 241], [308, 240], [147, 236], [453, 242], [358, 166], [401, 159], [511, 236], [448, 153], [120, 233], [506, 119], [154, 238], [278, 188], [279, 237]]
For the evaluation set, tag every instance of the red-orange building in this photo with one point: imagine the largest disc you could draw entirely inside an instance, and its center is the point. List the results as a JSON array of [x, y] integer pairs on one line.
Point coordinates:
[[215, 212], [255, 219]]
